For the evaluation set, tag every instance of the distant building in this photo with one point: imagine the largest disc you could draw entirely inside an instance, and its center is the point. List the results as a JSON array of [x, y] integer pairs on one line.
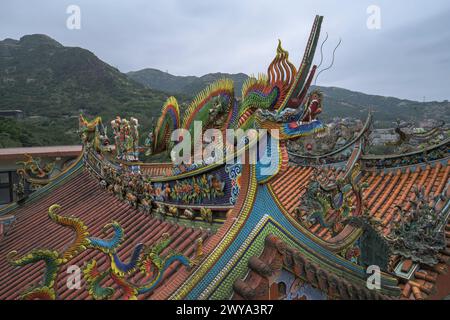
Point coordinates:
[[382, 136], [428, 123], [15, 114]]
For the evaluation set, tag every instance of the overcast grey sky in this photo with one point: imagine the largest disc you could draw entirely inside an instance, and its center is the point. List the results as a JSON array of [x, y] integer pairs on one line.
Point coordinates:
[[409, 57]]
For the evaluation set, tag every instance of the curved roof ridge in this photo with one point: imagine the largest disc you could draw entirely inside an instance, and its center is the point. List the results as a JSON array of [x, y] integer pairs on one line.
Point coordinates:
[[50, 185], [346, 146]]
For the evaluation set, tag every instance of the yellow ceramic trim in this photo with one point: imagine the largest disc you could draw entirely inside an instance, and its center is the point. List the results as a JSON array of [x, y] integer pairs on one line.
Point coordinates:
[[198, 274]]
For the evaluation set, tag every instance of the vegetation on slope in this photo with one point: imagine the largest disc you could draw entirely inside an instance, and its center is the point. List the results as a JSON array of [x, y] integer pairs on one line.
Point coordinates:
[[52, 84]]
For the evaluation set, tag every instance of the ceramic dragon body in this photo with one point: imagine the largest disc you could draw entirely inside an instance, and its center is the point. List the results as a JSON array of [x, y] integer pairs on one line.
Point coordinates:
[[148, 260], [273, 101]]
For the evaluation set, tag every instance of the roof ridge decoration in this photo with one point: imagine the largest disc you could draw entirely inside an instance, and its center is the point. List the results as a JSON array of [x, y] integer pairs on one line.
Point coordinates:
[[147, 260], [260, 81], [326, 158], [93, 133], [216, 106], [45, 187], [420, 233], [33, 173], [281, 73], [126, 138], [281, 69], [440, 151], [408, 140], [159, 139], [213, 188], [202, 100], [300, 85], [373, 247], [331, 201], [35, 168]]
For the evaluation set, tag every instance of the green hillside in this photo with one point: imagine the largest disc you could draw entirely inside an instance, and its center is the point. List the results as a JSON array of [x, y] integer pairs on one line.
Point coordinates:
[[345, 103], [188, 85], [52, 84]]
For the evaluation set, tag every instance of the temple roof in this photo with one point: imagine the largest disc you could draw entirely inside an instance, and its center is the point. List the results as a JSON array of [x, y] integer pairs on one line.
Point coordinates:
[[384, 193], [214, 230], [80, 194]]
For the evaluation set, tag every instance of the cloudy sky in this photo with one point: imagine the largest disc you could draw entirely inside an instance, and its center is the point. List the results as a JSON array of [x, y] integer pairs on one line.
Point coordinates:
[[408, 57]]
